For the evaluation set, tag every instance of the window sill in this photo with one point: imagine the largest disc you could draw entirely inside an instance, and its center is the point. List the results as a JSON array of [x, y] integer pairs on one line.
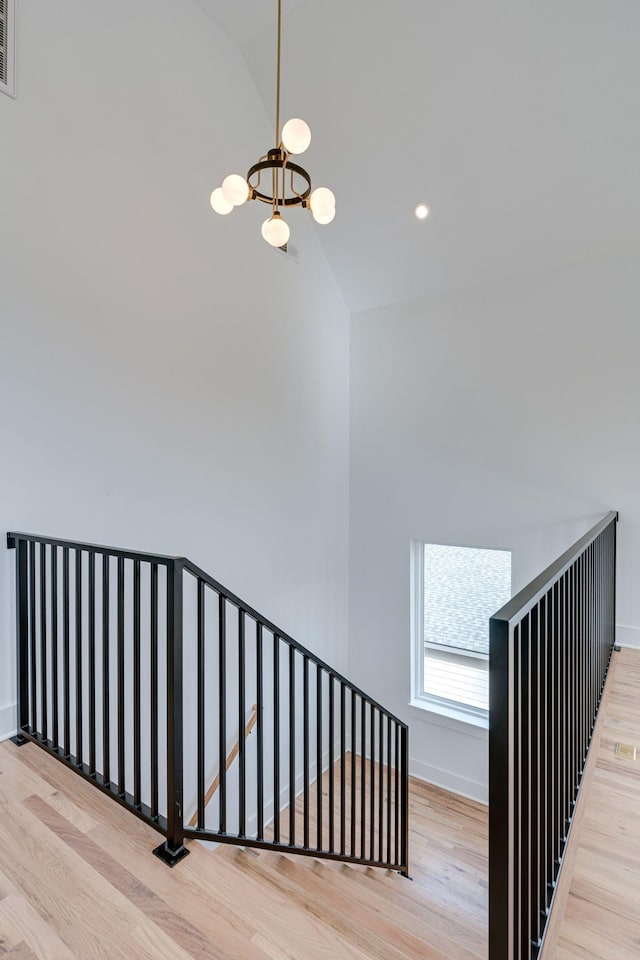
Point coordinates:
[[445, 716]]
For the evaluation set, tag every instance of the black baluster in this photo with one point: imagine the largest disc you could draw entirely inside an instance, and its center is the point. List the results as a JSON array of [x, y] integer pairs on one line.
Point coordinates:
[[543, 723], [372, 785], [33, 666], [352, 849], [380, 786], [222, 687], [363, 777], [342, 772], [397, 794], [525, 788], [137, 778], [573, 709], [579, 670], [389, 790], [260, 730], [534, 809], [558, 743], [305, 769], [292, 747], [200, 706], [332, 762], [65, 654], [106, 744], [43, 640], [54, 646], [566, 737], [319, 754], [79, 707], [91, 600], [154, 690], [276, 738], [121, 772], [551, 727], [242, 767]]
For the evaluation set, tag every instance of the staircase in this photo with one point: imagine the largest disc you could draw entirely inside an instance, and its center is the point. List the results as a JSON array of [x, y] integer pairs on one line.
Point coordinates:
[[136, 679], [138, 672]]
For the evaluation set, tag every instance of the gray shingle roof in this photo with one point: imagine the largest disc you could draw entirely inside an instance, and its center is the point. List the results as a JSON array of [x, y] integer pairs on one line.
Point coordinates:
[[463, 588]]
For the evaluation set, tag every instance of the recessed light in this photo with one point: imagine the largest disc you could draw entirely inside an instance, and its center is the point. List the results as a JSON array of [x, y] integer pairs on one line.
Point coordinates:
[[421, 211]]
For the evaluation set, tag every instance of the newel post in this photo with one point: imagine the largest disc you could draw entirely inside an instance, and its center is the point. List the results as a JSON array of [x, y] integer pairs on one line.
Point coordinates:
[[22, 637], [174, 850], [501, 791]]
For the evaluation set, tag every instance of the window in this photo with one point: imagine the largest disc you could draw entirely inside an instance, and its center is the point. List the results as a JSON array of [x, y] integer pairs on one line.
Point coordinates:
[[455, 591]]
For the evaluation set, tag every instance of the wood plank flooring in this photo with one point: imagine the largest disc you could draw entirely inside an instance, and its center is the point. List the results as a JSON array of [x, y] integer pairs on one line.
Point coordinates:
[[601, 920], [78, 882]]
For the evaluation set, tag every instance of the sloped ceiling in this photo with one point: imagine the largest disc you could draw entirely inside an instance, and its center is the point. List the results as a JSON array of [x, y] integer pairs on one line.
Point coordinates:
[[242, 20], [517, 121]]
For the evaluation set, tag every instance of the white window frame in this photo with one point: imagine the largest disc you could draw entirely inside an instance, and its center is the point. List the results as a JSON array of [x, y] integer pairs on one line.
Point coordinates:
[[419, 699], [10, 86]]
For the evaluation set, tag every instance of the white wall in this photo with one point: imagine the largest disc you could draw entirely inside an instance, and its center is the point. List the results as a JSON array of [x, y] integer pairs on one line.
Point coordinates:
[[505, 417], [167, 381]]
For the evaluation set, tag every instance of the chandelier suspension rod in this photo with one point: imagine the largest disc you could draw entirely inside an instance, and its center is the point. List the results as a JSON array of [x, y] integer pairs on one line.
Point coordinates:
[[277, 143]]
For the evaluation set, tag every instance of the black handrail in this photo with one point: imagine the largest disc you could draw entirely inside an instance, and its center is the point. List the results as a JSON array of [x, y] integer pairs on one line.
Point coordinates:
[[523, 601], [121, 552], [91, 693], [550, 649], [200, 574]]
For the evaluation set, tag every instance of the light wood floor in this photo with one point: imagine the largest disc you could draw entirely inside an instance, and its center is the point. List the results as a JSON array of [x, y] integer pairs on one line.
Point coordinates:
[[602, 916], [78, 882]]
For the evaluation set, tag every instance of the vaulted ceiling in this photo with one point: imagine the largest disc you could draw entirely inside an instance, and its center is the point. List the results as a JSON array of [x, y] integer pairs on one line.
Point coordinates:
[[516, 120], [242, 20]]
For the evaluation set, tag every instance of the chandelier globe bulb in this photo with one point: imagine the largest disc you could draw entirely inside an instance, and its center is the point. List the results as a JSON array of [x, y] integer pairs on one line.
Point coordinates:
[[324, 218], [322, 201], [235, 189], [218, 202], [296, 136], [276, 231]]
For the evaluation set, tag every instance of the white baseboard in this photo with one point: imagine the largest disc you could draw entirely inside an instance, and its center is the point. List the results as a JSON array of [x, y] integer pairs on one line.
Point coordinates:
[[7, 721], [471, 789], [628, 636]]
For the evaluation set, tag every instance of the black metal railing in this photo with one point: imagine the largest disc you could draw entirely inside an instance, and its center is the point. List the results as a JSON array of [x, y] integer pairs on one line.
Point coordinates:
[[550, 649], [313, 726], [136, 670]]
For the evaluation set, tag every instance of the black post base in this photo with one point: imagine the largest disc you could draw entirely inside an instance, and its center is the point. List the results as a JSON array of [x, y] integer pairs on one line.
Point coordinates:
[[617, 649], [404, 874], [19, 740], [169, 856]]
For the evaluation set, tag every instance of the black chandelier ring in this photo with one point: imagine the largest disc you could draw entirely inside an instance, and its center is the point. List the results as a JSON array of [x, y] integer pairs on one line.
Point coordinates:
[[277, 160]]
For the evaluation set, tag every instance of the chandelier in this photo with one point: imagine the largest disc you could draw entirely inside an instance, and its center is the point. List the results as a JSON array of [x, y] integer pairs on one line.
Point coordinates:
[[275, 179]]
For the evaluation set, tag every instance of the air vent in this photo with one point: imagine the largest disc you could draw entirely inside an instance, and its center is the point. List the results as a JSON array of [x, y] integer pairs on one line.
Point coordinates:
[[7, 46]]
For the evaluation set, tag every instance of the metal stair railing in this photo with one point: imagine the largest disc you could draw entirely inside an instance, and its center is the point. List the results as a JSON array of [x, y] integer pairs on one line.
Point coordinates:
[[133, 666]]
